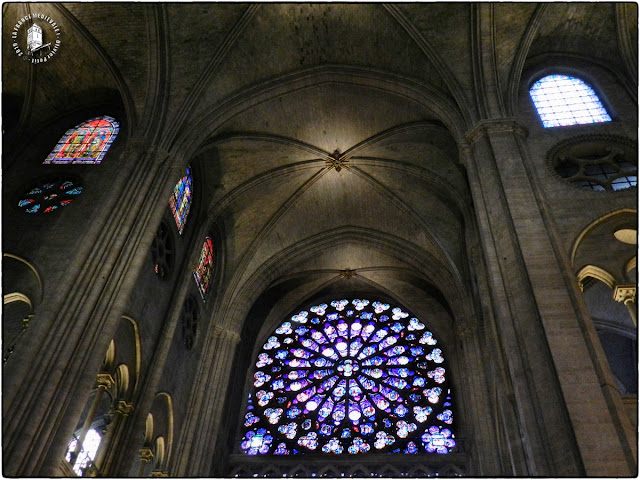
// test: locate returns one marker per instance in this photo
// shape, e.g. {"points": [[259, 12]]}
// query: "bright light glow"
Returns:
{"points": [[562, 100], [354, 415]]}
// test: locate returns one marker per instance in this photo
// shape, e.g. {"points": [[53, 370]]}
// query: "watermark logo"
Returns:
{"points": [[36, 38]]}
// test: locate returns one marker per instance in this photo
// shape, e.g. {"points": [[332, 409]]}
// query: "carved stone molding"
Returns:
{"points": [[226, 334], [625, 293], [337, 161], [487, 127], [146, 454], [105, 380], [124, 408], [348, 273]]}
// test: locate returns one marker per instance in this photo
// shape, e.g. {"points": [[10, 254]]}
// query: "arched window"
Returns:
{"points": [[562, 100], [86, 143], [203, 271], [349, 378], [180, 200]]}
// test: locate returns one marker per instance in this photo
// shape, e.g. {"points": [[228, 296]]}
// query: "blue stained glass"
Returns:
{"points": [[281, 450], [348, 376], [366, 429], [561, 100], [180, 200]]}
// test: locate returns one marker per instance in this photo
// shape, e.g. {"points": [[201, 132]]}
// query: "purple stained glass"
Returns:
{"points": [[354, 381]]}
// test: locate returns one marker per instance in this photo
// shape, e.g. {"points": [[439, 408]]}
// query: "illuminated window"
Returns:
{"points": [[180, 200], [86, 454], [349, 378], [203, 271], [87, 143], [562, 100]]}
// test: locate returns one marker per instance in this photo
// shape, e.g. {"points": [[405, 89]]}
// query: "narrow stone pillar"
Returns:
{"points": [[627, 295], [146, 455], [120, 411], [105, 382], [204, 414]]}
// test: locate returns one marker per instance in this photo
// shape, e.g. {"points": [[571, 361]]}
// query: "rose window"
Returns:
{"points": [[349, 378], [47, 197]]}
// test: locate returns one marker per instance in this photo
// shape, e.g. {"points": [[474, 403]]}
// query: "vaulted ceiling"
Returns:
{"points": [[264, 94]]}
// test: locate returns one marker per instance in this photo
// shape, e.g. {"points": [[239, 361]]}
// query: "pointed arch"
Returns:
{"points": [[597, 273]]}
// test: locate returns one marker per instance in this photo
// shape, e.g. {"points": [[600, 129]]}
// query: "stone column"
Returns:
{"points": [[198, 440], [627, 295], [110, 443], [543, 329], [105, 382]]}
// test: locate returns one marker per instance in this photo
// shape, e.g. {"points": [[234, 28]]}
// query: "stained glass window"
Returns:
{"points": [[86, 143], [349, 377], [562, 100], [203, 271], [180, 200], [49, 196]]}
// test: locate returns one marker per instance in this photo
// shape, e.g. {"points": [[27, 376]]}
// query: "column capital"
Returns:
{"points": [[487, 127], [226, 334], [146, 454], [124, 408], [159, 473], [105, 380], [625, 293]]}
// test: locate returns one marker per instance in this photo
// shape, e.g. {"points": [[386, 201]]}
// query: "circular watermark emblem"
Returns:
{"points": [[36, 38]]}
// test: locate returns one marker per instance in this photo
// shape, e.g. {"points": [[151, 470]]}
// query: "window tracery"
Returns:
{"points": [[561, 100], [180, 200], [86, 143], [49, 196], [349, 378], [162, 251]]}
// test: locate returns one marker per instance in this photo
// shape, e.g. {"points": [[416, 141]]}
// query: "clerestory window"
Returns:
{"points": [[86, 143], [561, 100], [180, 200]]}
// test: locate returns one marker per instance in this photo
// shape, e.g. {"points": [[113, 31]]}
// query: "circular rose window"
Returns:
{"points": [[350, 377]]}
